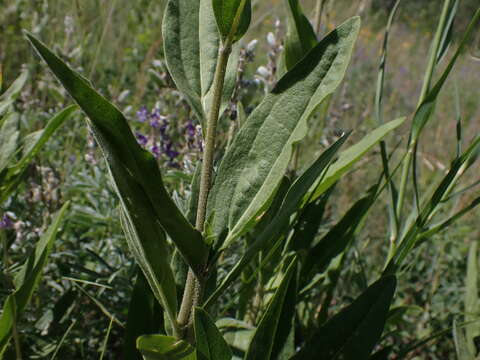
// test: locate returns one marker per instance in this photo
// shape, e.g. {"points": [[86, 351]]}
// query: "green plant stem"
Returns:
{"points": [[193, 286], [425, 88], [318, 15]]}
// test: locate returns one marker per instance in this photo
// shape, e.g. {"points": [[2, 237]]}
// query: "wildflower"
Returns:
{"points": [[142, 114], [142, 139], [155, 150], [272, 41], [6, 222], [263, 71], [252, 45]]}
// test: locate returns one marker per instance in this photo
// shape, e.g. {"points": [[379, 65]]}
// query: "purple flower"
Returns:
{"points": [[155, 123], [170, 152], [142, 114], [6, 222], [190, 129], [142, 139], [155, 149]]}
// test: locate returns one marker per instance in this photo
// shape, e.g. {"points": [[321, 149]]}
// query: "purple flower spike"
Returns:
{"points": [[142, 139], [142, 114], [155, 149], [6, 222], [155, 123], [190, 129]]}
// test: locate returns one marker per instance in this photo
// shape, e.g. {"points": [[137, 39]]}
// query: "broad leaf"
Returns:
{"points": [[160, 347], [353, 333], [349, 157], [277, 321], [280, 223], [125, 157], [27, 279], [258, 158], [233, 18], [209, 341], [300, 37], [191, 46]]}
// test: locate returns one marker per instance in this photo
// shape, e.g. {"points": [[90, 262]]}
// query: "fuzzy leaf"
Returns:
{"points": [[281, 221], [130, 165], [191, 46], [258, 158], [300, 37], [226, 14]]}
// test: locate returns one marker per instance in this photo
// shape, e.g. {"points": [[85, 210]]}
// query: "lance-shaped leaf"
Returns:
{"points": [[125, 156], [349, 157], [353, 333], [300, 37], [191, 46], [336, 240], [281, 221], [32, 144], [9, 96], [160, 347], [427, 107], [8, 139], [233, 18], [277, 321], [27, 279], [209, 341], [258, 158], [144, 317]]}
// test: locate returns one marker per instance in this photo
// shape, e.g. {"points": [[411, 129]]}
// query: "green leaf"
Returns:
{"points": [[160, 347], [130, 165], [8, 139], [472, 303], [280, 223], [32, 144], [191, 46], [210, 343], [27, 279], [144, 317], [146, 240], [9, 96], [427, 107], [233, 18], [461, 345], [336, 240], [353, 333], [277, 321], [300, 38], [258, 158], [181, 48], [349, 157]]}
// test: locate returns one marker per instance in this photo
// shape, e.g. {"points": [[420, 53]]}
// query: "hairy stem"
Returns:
{"points": [[194, 285]]}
